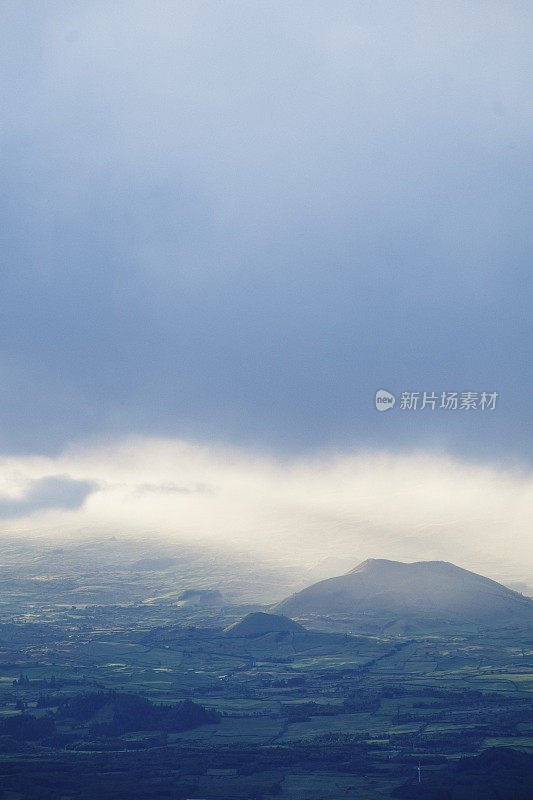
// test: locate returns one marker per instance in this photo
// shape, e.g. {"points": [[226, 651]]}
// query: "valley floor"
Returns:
{"points": [[152, 700]]}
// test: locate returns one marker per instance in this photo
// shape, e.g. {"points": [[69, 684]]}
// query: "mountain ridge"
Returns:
{"points": [[431, 589], [260, 623]]}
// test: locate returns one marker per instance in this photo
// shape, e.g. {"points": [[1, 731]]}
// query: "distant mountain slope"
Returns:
{"points": [[434, 590], [258, 624]]}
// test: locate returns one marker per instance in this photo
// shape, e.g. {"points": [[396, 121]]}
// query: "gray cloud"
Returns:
{"points": [[237, 220], [55, 491]]}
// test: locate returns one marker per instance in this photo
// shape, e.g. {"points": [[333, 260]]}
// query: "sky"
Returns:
{"points": [[226, 225]]}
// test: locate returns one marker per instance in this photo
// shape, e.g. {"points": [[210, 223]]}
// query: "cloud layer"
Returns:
{"points": [[238, 220], [350, 505], [51, 492]]}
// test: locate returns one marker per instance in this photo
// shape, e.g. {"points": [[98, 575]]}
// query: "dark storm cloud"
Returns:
{"points": [[237, 221], [55, 491]]}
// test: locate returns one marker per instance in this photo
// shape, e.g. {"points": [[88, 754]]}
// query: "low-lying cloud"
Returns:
{"points": [[51, 492], [408, 506]]}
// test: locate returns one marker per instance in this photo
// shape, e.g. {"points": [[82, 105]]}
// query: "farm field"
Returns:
{"points": [[164, 700]]}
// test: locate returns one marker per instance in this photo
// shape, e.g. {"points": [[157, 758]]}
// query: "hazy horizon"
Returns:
{"points": [[411, 506]]}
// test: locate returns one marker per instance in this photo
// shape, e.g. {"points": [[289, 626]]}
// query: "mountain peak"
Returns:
{"points": [[373, 564], [386, 563], [436, 591], [259, 623]]}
